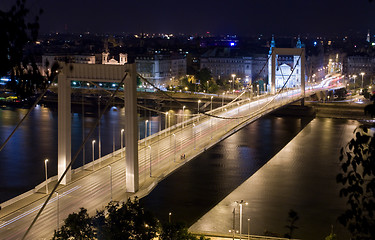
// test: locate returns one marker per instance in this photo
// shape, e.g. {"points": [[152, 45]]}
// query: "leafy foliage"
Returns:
{"points": [[77, 225], [127, 220], [177, 231], [357, 177], [15, 34]]}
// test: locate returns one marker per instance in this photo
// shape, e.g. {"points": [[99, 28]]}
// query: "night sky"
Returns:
{"points": [[199, 16]]}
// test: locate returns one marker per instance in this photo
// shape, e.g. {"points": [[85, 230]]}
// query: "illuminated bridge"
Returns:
{"points": [[135, 172]]}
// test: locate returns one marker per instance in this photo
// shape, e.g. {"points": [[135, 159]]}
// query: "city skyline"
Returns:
{"points": [[199, 17]]}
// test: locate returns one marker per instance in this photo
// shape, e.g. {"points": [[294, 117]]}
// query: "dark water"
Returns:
{"points": [[194, 189]]}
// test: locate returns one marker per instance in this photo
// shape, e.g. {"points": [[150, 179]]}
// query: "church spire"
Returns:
{"points": [[299, 44], [273, 44]]}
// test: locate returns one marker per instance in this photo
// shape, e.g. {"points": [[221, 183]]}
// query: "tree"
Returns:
{"points": [[292, 219], [127, 220], [15, 34], [177, 231], [77, 226], [357, 162]]}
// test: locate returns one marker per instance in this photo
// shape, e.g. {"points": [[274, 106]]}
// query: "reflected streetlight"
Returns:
{"points": [[45, 168], [194, 134], [93, 152], [240, 203], [122, 142]]}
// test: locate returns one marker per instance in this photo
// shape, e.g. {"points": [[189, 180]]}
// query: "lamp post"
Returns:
{"points": [[183, 116], [122, 142], [146, 129], [93, 152], [174, 157], [199, 101], [354, 76], [45, 168], [248, 229], [362, 74], [58, 214], [241, 203], [222, 100], [169, 217], [110, 178], [99, 140], [194, 134], [150, 159], [211, 117], [233, 76], [166, 122]]}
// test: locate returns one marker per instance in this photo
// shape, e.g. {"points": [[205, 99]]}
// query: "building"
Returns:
{"points": [[162, 70], [288, 68], [49, 60], [123, 58], [224, 62]]}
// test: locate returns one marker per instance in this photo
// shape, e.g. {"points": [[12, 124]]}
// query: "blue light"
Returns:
{"points": [[315, 43], [232, 44]]}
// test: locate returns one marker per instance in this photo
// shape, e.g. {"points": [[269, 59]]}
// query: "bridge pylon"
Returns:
{"points": [[98, 73]]}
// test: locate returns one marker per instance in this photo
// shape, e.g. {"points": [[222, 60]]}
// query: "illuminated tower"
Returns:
{"points": [[273, 44]]}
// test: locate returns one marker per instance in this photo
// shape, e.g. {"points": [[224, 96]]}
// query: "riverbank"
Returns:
{"points": [[300, 177]]}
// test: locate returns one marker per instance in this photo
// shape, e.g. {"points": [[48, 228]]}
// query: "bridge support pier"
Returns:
{"points": [[131, 130], [64, 128]]}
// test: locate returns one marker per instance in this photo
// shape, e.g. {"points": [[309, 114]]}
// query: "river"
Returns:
{"points": [[188, 193]]}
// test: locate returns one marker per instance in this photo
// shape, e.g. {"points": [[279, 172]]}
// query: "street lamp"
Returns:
{"points": [[169, 217], [194, 134], [183, 116], [150, 159], [122, 142], [199, 101], [45, 168], [362, 73], [248, 229], [57, 200], [211, 117], [222, 100], [166, 122], [174, 158], [146, 129], [93, 151], [241, 203], [110, 178], [233, 76]]}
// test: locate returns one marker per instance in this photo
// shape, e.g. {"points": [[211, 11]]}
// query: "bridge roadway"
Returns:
{"points": [[159, 155]]}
